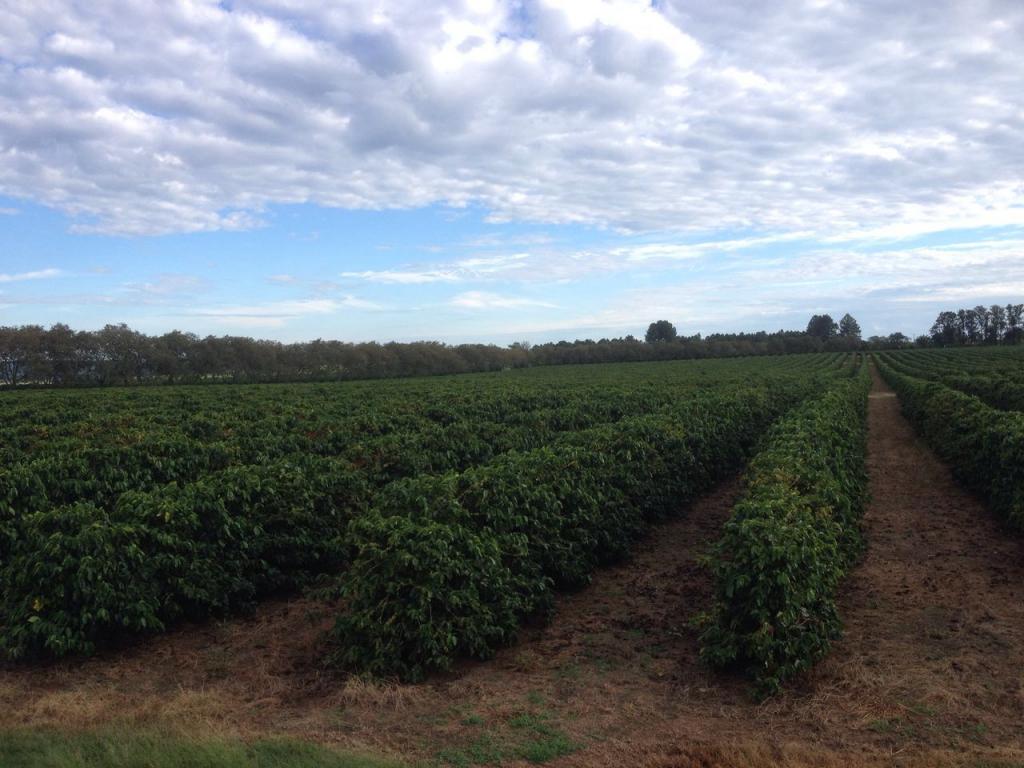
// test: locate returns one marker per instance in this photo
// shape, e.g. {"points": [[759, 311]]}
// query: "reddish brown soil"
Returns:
{"points": [[929, 672]]}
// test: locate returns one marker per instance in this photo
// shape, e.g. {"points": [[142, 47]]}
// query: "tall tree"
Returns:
{"points": [[1014, 323], [662, 330], [974, 325], [966, 323], [15, 351], [947, 329], [996, 324], [981, 321], [848, 327], [61, 347], [822, 326]]}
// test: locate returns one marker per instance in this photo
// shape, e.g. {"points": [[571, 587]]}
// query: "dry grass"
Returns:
{"points": [[363, 693]]}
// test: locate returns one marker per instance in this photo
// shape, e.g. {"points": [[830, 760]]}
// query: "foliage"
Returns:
{"points": [[984, 446], [123, 511], [427, 584], [979, 325], [116, 355], [660, 330], [849, 327], [78, 575], [449, 566], [989, 373], [790, 540], [822, 326]]}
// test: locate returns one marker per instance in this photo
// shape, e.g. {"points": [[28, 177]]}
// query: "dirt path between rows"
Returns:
{"points": [[929, 672]]}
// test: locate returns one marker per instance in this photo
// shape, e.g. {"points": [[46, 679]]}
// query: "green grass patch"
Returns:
{"points": [[922, 721], [527, 735], [145, 749]]}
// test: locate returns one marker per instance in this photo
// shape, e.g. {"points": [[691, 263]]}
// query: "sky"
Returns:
{"points": [[501, 171]]}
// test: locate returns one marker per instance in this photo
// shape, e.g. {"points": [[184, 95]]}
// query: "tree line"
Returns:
{"points": [[119, 355], [981, 325]]}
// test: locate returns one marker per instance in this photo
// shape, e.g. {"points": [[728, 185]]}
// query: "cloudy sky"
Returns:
{"points": [[484, 170]]}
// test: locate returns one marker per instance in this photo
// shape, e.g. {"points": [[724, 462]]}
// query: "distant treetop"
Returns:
{"points": [[661, 330], [822, 326], [848, 327]]}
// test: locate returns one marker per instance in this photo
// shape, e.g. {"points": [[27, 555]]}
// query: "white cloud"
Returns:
{"points": [[483, 265], [282, 279], [462, 270], [170, 117], [270, 315], [353, 302], [166, 285], [39, 274], [273, 309], [565, 264], [683, 251], [487, 300], [959, 294], [9, 211], [970, 262], [277, 314], [402, 277]]}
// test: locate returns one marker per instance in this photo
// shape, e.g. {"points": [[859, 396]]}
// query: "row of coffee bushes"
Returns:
{"points": [[122, 556], [983, 445], [76, 450], [451, 565], [101, 468], [790, 540], [131, 526], [996, 386], [77, 576], [255, 420], [1002, 392]]}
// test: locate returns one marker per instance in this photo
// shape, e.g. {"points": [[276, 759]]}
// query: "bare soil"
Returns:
{"points": [[930, 670]]}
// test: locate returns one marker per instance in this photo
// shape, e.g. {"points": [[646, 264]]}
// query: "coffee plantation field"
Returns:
{"points": [[689, 538], [126, 510]]}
